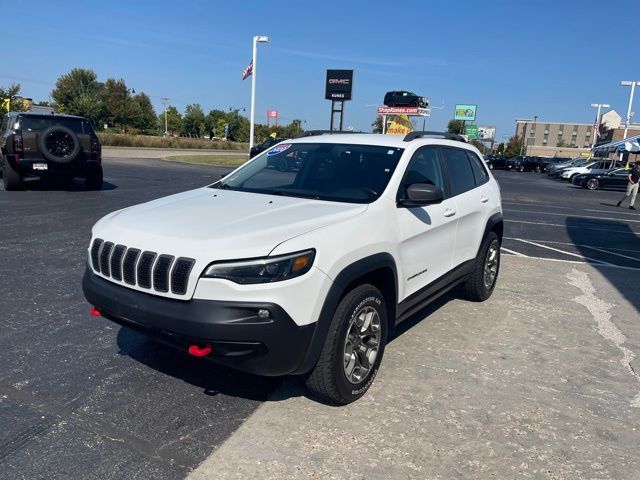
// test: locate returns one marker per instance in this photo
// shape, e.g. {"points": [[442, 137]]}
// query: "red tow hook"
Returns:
{"points": [[94, 312], [197, 351]]}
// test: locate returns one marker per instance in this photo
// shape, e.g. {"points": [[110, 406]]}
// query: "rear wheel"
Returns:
{"points": [[593, 184], [483, 279], [521, 168], [11, 179], [353, 349], [538, 169], [93, 180]]}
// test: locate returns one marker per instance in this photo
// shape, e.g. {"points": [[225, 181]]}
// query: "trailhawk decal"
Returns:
{"points": [[279, 149]]}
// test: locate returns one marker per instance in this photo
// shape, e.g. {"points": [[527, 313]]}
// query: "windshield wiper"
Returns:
{"points": [[293, 194]]}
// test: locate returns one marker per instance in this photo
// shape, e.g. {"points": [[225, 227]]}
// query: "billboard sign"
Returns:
{"points": [[422, 112], [272, 113], [465, 112], [471, 131], [487, 133], [339, 85]]}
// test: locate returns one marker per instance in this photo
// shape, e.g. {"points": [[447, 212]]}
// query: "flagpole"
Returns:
{"points": [[257, 39], [253, 91]]}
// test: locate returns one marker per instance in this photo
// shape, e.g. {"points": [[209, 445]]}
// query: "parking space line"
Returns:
{"points": [[513, 252], [564, 252], [579, 245], [576, 262], [572, 216], [610, 211], [632, 232]]}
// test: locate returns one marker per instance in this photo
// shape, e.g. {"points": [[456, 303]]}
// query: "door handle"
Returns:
{"points": [[449, 212], [484, 199]]}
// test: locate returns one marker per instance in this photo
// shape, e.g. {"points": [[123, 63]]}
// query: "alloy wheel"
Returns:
{"points": [[361, 344], [491, 265]]}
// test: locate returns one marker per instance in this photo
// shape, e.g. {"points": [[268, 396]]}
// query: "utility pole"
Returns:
{"points": [[257, 39], [165, 103]]}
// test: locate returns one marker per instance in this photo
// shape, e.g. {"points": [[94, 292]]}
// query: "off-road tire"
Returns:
{"points": [[67, 135], [328, 379], [10, 178], [94, 179], [475, 288]]}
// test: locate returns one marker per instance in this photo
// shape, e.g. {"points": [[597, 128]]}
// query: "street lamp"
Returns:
{"points": [[257, 39], [596, 124]]}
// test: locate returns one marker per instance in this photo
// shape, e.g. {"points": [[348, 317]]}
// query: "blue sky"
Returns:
{"points": [[515, 59]]}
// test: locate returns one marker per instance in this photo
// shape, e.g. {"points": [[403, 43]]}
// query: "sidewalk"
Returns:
{"points": [[534, 383]]}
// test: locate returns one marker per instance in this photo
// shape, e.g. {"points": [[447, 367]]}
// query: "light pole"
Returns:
{"points": [[257, 39], [596, 124], [165, 102]]}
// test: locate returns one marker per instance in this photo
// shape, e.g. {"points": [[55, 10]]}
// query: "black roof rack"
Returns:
{"points": [[313, 133], [448, 136]]}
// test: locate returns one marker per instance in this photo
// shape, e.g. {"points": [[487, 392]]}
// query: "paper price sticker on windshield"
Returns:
{"points": [[279, 149]]}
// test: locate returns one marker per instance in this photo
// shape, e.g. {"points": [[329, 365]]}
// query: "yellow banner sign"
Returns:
{"points": [[400, 125]]}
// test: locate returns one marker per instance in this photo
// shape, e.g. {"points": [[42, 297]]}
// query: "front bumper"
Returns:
{"points": [[239, 338]]}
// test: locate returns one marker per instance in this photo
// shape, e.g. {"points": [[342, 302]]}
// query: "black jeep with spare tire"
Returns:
{"points": [[51, 146]]}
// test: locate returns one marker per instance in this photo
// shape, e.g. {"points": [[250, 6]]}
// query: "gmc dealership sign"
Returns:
{"points": [[339, 84]]}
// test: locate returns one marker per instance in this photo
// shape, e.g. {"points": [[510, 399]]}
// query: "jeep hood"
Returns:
{"points": [[212, 224]]}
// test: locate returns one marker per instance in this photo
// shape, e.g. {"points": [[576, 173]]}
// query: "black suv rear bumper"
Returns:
{"points": [[25, 166], [238, 336]]}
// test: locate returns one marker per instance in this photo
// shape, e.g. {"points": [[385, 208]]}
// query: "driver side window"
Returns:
{"points": [[424, 167]]}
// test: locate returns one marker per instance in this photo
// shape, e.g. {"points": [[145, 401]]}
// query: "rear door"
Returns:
{"points": [[468, 186]]}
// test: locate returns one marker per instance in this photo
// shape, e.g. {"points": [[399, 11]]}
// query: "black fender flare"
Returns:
{"points": [[494, 221], [345, 278]]}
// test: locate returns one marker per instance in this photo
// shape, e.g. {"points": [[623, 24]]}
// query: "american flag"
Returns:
{"points": [[247, 72], [596, 128]]}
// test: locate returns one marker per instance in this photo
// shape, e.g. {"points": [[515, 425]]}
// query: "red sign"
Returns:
{"points": [[272, 113]]}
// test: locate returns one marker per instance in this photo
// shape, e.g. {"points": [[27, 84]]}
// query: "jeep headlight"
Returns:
{"points": [[263, 270]]}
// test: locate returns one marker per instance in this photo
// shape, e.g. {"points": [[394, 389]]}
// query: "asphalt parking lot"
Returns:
{"points": [[80, 397]]}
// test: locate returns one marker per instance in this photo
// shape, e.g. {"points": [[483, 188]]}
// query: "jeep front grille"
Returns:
{"points": [[145, 269]]}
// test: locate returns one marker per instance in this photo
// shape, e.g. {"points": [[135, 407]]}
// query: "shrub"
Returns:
{"points": [[147, 141]]}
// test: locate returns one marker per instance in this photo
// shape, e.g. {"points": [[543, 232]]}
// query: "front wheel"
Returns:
{"points": [[521, 168], [483, 278], [593, 184], [538, 169], [353, 349]]}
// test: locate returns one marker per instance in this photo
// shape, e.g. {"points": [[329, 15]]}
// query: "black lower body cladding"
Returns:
{"points": [[239, 338]]}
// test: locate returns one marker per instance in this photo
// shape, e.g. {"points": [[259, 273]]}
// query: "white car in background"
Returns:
{"points": [[604, 164]]}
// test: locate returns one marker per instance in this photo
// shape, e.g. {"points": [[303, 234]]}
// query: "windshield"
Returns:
{"points": [[323, 171]]}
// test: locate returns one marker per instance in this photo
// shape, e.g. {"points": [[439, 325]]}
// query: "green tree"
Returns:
{"points": [[455, 126], [238, 128], [514, 145], [79, 93], [145, 118], [193, 122], [213, 121], [115, 98], [174, 120], [377, 125]]}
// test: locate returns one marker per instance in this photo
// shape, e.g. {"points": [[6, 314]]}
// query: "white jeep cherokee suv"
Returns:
{"points": [[304, 259]]}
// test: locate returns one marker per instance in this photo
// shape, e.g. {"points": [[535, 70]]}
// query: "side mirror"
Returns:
{"points": [[421, 194]]}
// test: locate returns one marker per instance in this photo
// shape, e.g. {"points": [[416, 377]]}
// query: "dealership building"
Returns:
{"points": [[548, 139]]}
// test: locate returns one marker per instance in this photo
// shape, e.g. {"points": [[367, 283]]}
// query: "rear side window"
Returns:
{"points": [[478, 169], [31, 123], [459, 170]]}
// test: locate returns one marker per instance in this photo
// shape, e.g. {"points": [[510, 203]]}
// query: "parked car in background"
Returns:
{"points": [[405, 99], [616, 179], [496, 162], [548, 162], [529, 164], [556, 170], [510, 163], [51, 146], [268, 143], [600, 165]]}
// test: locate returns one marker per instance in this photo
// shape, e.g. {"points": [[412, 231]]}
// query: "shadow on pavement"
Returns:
{"points": [[625, 281], [211, 378]]}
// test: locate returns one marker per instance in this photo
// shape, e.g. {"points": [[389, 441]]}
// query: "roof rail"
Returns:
{"points": [[313, 133], [448, 136]]}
